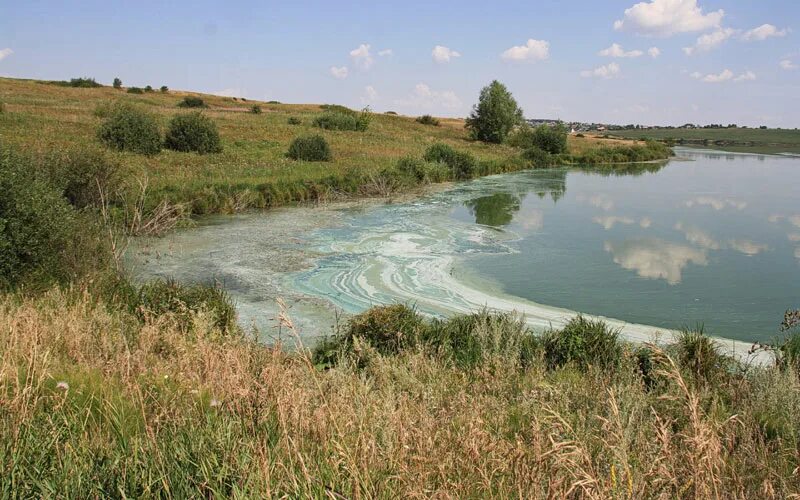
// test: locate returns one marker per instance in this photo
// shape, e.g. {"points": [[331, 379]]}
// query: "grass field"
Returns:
{"points": [[42, 117], [768, 141]]}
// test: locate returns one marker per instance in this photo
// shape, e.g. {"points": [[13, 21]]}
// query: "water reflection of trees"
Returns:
{"points": [[494, 210], [629, 169]]}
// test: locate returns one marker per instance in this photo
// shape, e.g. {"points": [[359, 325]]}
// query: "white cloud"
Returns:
{"points": [[608, 71], [370, 95], [654, 52], [710, 41], [5, 53], [656, 259], [788, 65], [361, 57], [609, 221], [339, 73], [668, 17], [425, 97], [716, 203], [616, 50], [443, 54], [385, 52], [601, 201], [794, 220], [745, 77], [724, 76], [748, 247], [762, 33], [645, 222], [697, 236], [793, 237], [533, 50]]}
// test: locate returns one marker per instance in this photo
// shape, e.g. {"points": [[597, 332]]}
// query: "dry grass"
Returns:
{"points": [[153, 410], [40, 118]]}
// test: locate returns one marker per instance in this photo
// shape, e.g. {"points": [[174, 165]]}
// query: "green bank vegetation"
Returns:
{"points": [[737, 139]]}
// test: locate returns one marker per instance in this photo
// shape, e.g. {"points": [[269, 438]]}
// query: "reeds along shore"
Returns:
{"points": [[97, 402]]}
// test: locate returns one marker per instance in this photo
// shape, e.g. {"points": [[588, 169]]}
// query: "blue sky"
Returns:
{"points": [[728, 61]]}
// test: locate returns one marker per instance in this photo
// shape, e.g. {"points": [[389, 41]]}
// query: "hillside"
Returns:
{"points": [[252, 170]]}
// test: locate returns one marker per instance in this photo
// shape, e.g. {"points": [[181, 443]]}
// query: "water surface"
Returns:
{"points": [[710, 238]]}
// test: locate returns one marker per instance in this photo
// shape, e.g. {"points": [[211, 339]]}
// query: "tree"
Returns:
{"points": [[117, 83], [495, 115], [164, 88]]}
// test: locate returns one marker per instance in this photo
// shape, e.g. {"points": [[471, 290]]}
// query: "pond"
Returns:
{"points": [[709, 238]]}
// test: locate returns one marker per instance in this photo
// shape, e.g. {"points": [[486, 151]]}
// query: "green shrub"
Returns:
{"points": [[339, 120], [580, 135], [192, 102], [84, 83], [135, 90], [82, 174], [36, 227], [148, 88], [699, 354], [164, 89], [393, 113], [473, 339], [255, 109], [310, 148], [537, 157], [128, 128], [117, 83], [193, 132], [552, 140], [428, 120], [421, 170], [185, 301], [273, 102], [583, 343], [293, 120], [461, 164], [387, 329]]}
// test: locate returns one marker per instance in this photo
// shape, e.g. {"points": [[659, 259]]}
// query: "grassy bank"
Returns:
{"points": [[99, 403], [745, 140], [253, 170]]}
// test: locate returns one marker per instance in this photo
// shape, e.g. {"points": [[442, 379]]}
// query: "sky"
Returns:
{"points": [[609, 61]]}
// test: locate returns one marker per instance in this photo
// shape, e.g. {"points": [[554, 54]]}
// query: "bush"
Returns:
{"points": [[393, 113], [584, 343], [310, 148], [552, 140], [495, 115], [192, 102], [193, 132], [117, 83], [698, 353], [83, 173], [185, 301], [462, 164], [421, 170], [255, 109], [537, 157], [293, 120], [428, 120], [476, 338], [164, 89], [135, 90], [273, 102], [84, 83], [128, 128], [579, 135], [339, 120], [36, 227], [148, 88], [337, 108], [387, 329]]}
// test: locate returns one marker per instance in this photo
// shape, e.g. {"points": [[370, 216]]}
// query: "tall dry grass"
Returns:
{"points": [[94, 403]]}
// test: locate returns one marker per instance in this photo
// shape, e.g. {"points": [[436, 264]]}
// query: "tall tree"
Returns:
{"points": [[495, 115]]}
